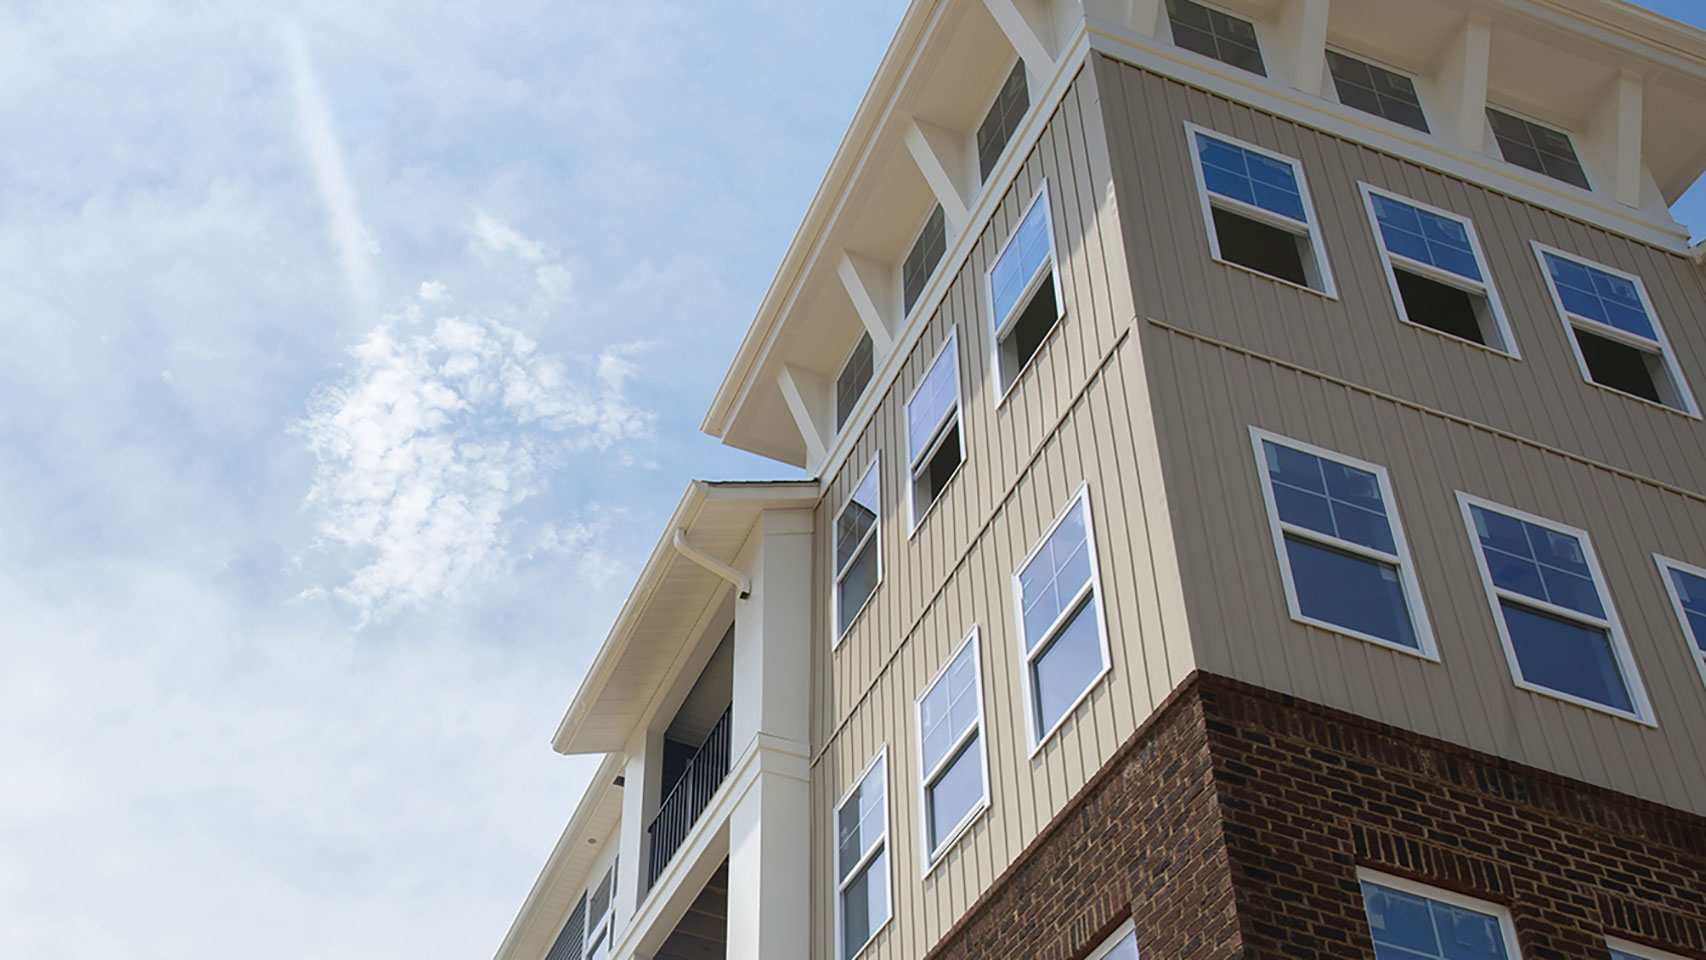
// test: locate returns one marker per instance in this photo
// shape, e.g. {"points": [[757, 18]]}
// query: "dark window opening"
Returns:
{"points": [[1226, 38], [1442, 307], [926, 252], [939, 469], [1003, 118], [1538, 148], [1376, 90], [1029, 331], [1262, 248], [1619, 366]]}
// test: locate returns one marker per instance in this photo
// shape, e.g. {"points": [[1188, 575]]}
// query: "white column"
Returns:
{"points": [[639, 801], [1463, 81], [1305, 27], [1615, 136], [769, 829]]}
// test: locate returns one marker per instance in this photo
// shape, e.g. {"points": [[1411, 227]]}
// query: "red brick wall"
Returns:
{"points": [[1307, 794], [1233, 822]]}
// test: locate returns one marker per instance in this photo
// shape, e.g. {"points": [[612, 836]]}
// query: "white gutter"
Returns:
{"points": [[711, 563]]}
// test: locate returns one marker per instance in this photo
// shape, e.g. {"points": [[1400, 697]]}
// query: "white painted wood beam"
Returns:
{"points": [[1463, 80], [1031, 43], [941, 159], [866, 286], [806, 395]]}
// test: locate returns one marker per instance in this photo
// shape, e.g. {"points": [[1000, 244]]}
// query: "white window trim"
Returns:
{"points": [[1310, 230], [1001, 326], [1165, 32], [1112, 940], [1643, 709], [606, 925], [1401, 559], [931, 857], [1417, 83], [873, 534], [1667, 355], [1499, 152], [1026, 657], [1640, 949], [938, 434], [865, 856], [1485, 289], [1506, 928], [1666, 565]]}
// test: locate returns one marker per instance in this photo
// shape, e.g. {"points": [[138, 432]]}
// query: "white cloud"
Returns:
{"points": [[498, 237], [439, 432]]}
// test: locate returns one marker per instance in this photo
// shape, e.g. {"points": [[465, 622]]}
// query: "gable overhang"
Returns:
{"points": [[683, 584]]}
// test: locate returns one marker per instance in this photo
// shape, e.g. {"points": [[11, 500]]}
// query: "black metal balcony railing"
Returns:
{"points": [[699, 781]]}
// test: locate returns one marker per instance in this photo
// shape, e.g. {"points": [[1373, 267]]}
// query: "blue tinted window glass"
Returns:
{"points": [[1426, 237], [1019, 262], [1598, 295], [1617, 954], [935, 397], [1566, 656], [1328, 497], [955, 792], [1066, 669], [1413, 927], [1537, 562], [1691, 590], [1054, 576], [1350, 591], [1232, 171]]}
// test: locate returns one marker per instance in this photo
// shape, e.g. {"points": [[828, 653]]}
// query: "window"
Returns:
{"points": [[1257, 208], [1555, 619], [1629, 950], [1061, 633], [1535, 147], [1024, 291], [598, 926], [1614, 329], [1409, 921], [950, 750], [1011, 102], [1120, 945], [1207, 31], [1342, 554], [858, 568], [921, 261], [1374, 89], [861, 860], [1438, 275], [1687, 588], [855, 376], [935, 446]]}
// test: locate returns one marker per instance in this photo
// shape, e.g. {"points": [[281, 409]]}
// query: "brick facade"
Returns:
{"points": [[1233, 822]]}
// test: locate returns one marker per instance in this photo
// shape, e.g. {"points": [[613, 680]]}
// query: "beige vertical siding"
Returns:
{"points": [[1226, 349], [1078, 416]]}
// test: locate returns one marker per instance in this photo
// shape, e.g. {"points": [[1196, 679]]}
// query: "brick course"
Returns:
{"points": [[1233, 822]]}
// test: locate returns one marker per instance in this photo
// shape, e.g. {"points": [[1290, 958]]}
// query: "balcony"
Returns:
{"points": [[700, 777]]}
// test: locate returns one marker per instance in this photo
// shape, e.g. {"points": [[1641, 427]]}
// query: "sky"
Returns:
{"points": [[351, 359]]}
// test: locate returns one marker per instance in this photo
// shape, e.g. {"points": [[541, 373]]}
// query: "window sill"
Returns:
{"points": [[1522, 684], [1656, 405], [1429, 655], [947, 487], [1324, 294], [1454, 338], [1031, 364], [854, 623], [1067, 714], [934, 859]]}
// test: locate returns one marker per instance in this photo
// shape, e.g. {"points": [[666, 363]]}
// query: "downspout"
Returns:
{"points": [[712, 564]]}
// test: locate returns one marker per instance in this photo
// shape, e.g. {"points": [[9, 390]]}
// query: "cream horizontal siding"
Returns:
{"points": [[1078, 415]]}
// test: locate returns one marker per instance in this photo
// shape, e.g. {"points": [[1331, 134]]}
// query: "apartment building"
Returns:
{"points": [[1257, 508]]}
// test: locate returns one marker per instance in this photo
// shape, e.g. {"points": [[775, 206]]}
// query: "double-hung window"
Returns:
{"points": [[1221, 36], [921, 260], [1537, 147], [861, 860], [600, 900], [1614, 330], [1554, 615], [1002, 120], [1374, 89], [953, 775], [1062, 637], [1341, 549], [1436, 270], [854, 377], [935, 443], [1024, 291], [1687, 588], [1257, 207], [858, 541], [1409, 921]]}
